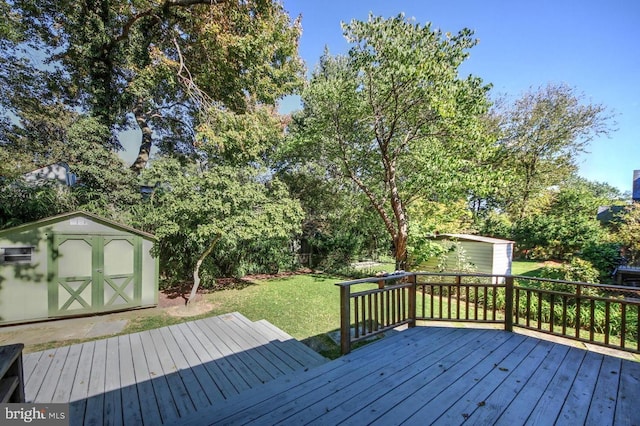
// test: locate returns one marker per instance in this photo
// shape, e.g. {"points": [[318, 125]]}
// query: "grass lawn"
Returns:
{"points": [[529, 268]]}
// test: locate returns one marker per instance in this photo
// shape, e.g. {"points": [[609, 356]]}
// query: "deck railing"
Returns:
{"points": [[605, 315]]}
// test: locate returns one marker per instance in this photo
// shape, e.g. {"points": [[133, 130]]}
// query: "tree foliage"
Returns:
{"points": [[196, 211], [543, 132], [393, 117], [163, 63]]}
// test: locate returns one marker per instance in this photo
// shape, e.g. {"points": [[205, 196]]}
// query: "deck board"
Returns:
{"points": [[95, 402], [159, 376], [602, 407], [627, 412], [211, 371], [112, 403], [430, 375]]}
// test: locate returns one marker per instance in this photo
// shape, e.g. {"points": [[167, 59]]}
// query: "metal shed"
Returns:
{"points": [[485, 254], [74, 264]]}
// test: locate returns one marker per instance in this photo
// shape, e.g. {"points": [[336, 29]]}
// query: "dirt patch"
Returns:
{"points": [[191, 310], [178, 294]]}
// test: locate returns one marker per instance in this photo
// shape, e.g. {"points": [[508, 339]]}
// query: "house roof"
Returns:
{"points": [[64, 216], [470, 237]]}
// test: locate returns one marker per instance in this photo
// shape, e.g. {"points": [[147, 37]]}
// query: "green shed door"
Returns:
{"points": [[94, 273]]}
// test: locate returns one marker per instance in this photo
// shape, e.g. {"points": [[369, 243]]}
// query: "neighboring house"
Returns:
{"points": [[484, 254], [74, 264], [58, 172]]}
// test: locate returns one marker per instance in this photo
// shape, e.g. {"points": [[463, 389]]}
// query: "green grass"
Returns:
{"points": [[529, 268], [302, 305]]}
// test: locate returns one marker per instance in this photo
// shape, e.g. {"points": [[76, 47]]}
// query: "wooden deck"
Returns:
{"points": [[160, 376], [446, 376]]}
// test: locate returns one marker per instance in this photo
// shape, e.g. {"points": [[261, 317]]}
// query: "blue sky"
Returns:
{"points": [[590, 45]]}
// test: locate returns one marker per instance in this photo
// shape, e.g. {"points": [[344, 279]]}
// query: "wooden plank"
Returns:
{"points": [[627, 412], [249, 338], [366, 355], [197, 395], [239, 375], [490, 409], [398, 378], [112, 402], [574, 411], [80, 386], [161, 389], [235, 355], [284, 361], [437, 396], [305, 354], [603, 403], [95, 402], [485, 386], [52, 377], [252, 355], [32, 385], [207, 383], [67, 375], [131, 411], [146, 395], [281, 343], [328, 383], [551, 401], [29, 362], [180, 394], [224, 386], [520, 407]]}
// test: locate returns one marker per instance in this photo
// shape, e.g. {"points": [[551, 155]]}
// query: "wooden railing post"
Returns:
{"points": [[345, 320], [508, 303], [412, 300]]}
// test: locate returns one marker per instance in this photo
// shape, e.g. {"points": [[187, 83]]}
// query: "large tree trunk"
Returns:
{"points": [[145, 145], [196, 270]]}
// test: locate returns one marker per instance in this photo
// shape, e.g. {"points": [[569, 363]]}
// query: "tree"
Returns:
{"points": [[393, 117], [542, 134], [163, 63], [628, 231], [564, 224], [196, 210]]}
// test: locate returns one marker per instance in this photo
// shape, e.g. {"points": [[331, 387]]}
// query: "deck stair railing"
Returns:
{"points": [[606, 315]]}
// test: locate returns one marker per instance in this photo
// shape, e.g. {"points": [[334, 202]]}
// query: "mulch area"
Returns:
{"points": [[178, 294]]}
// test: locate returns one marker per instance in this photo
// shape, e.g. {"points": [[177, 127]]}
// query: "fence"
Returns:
{"points": [[605, 315]]}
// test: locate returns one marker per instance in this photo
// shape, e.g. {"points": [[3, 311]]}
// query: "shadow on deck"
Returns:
{"points": [[159, 376], [227, 370]]}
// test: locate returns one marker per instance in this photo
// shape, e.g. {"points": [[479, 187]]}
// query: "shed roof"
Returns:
{"points": [[64, 216], [470, 237]]}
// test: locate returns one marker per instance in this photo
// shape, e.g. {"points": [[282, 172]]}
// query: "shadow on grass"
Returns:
{"points": [[327, 346], [535, 273]]}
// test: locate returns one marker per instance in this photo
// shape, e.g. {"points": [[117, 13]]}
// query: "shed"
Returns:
{"points": [[74, 264], [484, 254]]}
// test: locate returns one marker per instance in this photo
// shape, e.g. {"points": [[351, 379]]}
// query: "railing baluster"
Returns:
{"points": [[370, 316], [528, 310], [578, 300], [539, 310], [607, 322], [485, 306], [517, 303], [466, 302], [623, 324], [493, 301], [364, 317], [552, 312], [564, 315], [592, 328]]}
